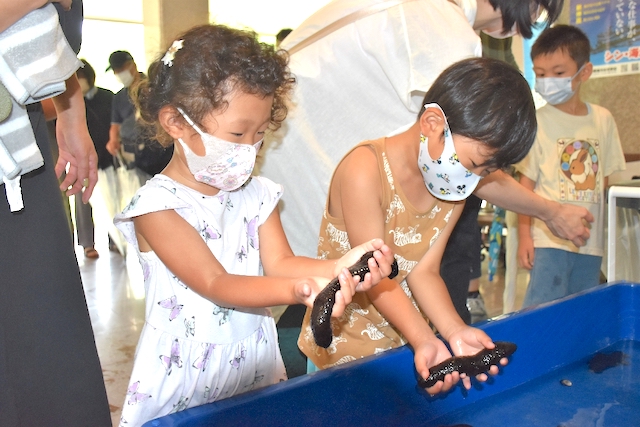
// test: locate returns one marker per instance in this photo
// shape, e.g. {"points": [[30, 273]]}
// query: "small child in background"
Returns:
{"points": [[205, 230], [576, 148], [478, 116]]}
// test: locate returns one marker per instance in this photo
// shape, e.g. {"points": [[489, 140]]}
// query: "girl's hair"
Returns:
{"points": [[567, 38], [519, 12], [490, 101], [213, 61]]}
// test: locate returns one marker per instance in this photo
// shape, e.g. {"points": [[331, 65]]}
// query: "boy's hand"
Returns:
{"points": [[526, 253], [468, 341], [428, 354]]}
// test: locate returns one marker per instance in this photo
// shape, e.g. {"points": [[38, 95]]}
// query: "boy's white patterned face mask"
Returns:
{"points": [[446, 178], [225, 165]]}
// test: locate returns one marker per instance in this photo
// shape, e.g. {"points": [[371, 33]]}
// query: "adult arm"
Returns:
{"points": [[113, 145], [564, 220], [13, 10], [77, 154]]}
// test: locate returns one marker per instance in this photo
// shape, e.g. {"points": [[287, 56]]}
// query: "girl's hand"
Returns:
{"points": [[380, 266], [306, 290], [428, 354], [468, 341]]}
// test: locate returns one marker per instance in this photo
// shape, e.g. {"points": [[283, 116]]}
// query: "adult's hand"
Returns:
{"points": [[570, 222], [564, 220], [77, 154], [113, 145]]}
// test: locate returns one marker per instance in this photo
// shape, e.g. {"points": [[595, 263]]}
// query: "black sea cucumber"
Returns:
{"points": [[470, 365], [323, 304]]}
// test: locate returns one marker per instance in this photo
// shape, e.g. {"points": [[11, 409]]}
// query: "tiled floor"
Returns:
{"points": [[115, 296]]}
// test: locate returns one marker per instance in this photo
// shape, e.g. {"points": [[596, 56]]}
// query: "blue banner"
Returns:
{"points": [[613, 31]]}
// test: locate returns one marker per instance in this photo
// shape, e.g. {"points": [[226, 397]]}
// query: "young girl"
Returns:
{"points": [[204, 229], [478, 116]]}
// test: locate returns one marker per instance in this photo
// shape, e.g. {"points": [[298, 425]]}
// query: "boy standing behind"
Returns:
{"points": [[576, 148]]}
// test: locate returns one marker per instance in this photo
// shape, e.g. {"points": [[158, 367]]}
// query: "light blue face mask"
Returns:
{"points": [[556, 90]]}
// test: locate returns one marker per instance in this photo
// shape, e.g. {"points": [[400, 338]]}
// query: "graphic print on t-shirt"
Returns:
{"points": [[579, 164]]}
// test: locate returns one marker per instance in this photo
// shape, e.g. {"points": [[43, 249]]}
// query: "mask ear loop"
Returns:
{"points": [[188, 119], [579, 70]]}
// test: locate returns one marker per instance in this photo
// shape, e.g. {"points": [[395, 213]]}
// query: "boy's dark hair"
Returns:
{"points": [[87, 72], [490, 101], [567, 38], [213, 61], [519, 12]]}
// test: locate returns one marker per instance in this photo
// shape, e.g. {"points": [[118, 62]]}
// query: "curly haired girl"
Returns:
{"points": [[206, 231]]}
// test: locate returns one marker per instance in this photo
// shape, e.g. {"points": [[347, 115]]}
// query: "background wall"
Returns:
{"points": [[142, 27]]}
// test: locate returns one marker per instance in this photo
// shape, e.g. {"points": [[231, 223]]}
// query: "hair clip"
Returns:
{"points": [[168, 57]]}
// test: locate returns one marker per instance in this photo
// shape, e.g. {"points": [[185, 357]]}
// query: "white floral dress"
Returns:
{"points": [[192, 351]]}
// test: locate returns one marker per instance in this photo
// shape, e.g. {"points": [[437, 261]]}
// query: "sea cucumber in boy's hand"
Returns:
{"points": [[323, 304], [470, 365]]}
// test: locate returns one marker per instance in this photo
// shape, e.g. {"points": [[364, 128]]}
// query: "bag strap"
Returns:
{"points": [[345, 20]]}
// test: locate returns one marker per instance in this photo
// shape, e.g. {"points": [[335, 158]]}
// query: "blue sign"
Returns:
{"points": [[613, 31]]}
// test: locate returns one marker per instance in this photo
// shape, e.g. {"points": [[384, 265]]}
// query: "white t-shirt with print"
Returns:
{"points": [[569, 161]]}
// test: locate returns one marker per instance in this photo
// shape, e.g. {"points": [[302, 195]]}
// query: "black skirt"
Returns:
{"points": [[50, 373]]}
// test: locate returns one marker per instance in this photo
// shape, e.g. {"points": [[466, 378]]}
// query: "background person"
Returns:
{"points": [[368, 78], [97, 103], [50, 373], [577, 147], [148, 157]]}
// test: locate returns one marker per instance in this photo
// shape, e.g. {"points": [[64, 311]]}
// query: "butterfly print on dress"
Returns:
{"points": [[239, 357], [190, 326], [173, 359], [209, 233], [135, 396], [171, 304], [252, 232], [241, 254], [203, 360], [226, 313], [181, 405]]}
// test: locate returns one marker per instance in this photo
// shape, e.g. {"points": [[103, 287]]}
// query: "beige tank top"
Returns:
{"points": [[362, 331]]}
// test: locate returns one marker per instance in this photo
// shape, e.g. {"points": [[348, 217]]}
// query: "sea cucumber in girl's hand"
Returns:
{"points": [[323, 304]]}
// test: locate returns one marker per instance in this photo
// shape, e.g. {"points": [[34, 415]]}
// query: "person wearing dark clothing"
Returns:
{"points": [[461, 258], [149, 157], [98, 102], [50, 374], [461, 265]]}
